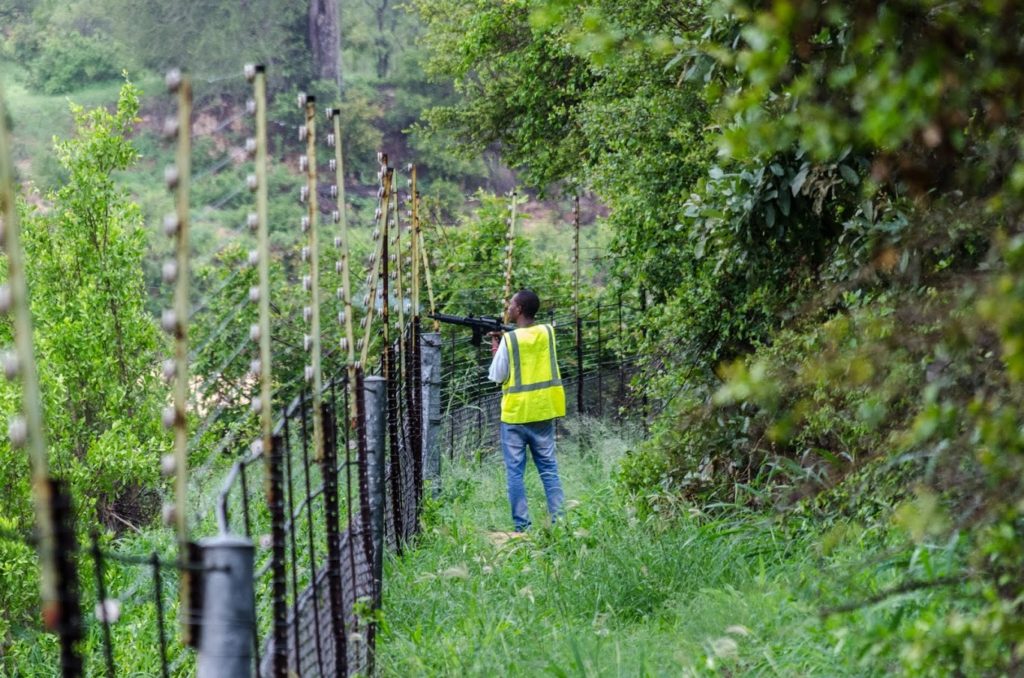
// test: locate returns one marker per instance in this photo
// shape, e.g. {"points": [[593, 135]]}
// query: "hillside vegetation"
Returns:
{"points": [[813, 208]]}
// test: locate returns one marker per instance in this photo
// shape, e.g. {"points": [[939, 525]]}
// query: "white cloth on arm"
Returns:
{"points": [[499, 364]]}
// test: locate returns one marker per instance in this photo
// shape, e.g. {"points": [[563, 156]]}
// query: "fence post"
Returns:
{"points": [[430, 369], [225, 635], [375, 397]]}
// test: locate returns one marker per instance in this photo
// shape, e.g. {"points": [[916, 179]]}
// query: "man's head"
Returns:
{"points": [[524, 304]]}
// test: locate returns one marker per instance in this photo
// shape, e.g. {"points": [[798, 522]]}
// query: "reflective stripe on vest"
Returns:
{"points": [[533, 390], [516, 366]]}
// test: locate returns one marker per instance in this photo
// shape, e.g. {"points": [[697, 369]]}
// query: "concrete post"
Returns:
{"points": [[375, 396], [430, 366], [225, 637]]}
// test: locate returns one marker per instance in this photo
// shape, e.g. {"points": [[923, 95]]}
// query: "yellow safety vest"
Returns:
{"points": [[533, 390]]}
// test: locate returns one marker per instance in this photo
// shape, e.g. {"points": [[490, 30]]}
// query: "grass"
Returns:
{"points": [[605, 593]]}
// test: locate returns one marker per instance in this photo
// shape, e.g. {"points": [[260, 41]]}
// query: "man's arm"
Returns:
{"points": [[499, 363]]}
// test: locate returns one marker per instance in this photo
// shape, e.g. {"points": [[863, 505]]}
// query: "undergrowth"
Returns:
{"points": [[610, 591]]}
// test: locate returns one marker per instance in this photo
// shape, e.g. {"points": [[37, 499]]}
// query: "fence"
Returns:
{"points": [[272, 561]]}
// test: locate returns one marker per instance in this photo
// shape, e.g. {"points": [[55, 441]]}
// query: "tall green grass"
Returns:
{"points": [[604, 593]]}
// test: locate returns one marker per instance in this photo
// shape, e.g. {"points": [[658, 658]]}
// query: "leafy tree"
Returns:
{"points": [[96, 344]]}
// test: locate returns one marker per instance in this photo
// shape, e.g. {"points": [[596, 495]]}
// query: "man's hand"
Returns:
{"points": [[495, 341]]}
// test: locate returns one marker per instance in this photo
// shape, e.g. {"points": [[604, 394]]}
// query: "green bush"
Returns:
{"points": [[69, 61]]}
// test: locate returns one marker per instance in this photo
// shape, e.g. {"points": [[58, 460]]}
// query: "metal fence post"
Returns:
{"points": [[430, 369], [225, 636], [375, 397]]}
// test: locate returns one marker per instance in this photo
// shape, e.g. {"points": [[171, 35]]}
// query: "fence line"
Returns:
{"points": [[279, 572]]}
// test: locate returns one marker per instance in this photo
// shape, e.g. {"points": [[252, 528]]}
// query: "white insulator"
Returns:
{"points": [[380, 175], [171, 224], [408, 213], [302, 132], [307, 314], [173, 80], [12, 366], [250, 106], [5, 299], [343, 344], [337, 242], [266, 541], [254, 294], [254, 257], [255, 367], [380, 156], [303, 163], [508, 222], [169, 416], [170, 369], [307, 283], [169, 321], [366, 300], [169, 513], [250, 72], [17, 431], [170, 128], [359, 344], [254, 333], [250, 146], [336, 216], [304, 253], [169, 271], [301, 99], [334, 190], [303, 193], [339, 267], [393, 275], [330, 140], [376, 214], [307, 343], [341, 317], [256, 405], [363, 321], [508, 249], [408, 262], [308, 373], [168, 465], [171, 177], [304, 224], [392, 258], [256, 447], [380, 192], [252, 182], [340, 293], [108, 611], [376, 234], [332, 164], [252, 220]]}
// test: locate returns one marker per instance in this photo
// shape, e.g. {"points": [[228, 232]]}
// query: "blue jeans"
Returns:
{"points": [[540, 438]]}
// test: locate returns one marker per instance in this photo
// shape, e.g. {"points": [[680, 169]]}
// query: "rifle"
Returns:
{"points": [[479, 324]]}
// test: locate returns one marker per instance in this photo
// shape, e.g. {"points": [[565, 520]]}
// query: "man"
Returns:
{"points": [[526, 366]]}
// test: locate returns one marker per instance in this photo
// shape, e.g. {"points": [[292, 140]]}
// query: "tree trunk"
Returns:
{"points": [[325, 39]]}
